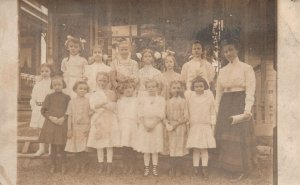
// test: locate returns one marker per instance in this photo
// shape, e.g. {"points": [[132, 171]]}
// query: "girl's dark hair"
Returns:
{"points": [[79, 83], [126, 84], [197, 42], [147, 50], [202, 46], [199, 79], [74, 40], [48, 66], [182, 85], [230, 41], [56, 77]]}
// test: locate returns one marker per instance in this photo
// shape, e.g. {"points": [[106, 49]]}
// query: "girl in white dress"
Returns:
{"points": [[39, 92], [202, 119], [73, 66], [96, 65], [104, 133], [127, 112], [147, 72], [151, 123]]}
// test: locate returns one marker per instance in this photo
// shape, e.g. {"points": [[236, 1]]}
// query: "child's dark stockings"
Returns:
{"points": [[55, 150]]}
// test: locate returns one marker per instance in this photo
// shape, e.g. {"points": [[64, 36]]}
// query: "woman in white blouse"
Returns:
{"points": [[235, 96]]}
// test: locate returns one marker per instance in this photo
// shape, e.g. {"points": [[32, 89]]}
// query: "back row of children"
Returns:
{"points": [[140, 110]]}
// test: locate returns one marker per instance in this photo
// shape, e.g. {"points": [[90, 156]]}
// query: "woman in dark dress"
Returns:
{"points": [[235, 96]]}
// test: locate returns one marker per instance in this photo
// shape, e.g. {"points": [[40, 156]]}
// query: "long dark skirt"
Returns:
{"points": [[235, 143]]}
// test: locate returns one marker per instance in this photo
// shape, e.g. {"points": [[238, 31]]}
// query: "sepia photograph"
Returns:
{"points": [[137, 92]]}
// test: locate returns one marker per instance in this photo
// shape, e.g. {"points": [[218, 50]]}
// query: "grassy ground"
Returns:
{"points": [[38, 173]]}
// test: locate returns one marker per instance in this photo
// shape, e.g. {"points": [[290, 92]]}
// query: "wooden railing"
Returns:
{"points": [[26, 83]]}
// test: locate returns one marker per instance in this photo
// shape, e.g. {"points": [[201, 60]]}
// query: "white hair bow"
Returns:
{"points": [[166, 53]]}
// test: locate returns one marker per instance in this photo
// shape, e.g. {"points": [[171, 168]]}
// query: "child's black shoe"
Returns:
{"points": [[52, 169], [125, 168], [77, 168], [101, 168], [146, 171], [108, 169], [239, 177], [195, 171], [171, 172], [63, 169], [131, 169], [154, 170], [179, 171], [205, 172]]}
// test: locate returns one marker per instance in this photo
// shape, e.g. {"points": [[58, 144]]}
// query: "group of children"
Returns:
{"points": [[141, 110]]}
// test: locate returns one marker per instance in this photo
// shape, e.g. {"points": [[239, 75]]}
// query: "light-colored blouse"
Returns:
{"points": [[146, 73], [236, 76], [190, 69], [74, 66], [91, 71], [128, 68]]}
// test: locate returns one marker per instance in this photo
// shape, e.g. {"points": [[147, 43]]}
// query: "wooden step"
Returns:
{"points": [[33, 139], [32, 156]]}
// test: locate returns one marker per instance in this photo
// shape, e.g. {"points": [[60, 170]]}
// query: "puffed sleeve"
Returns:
{"points": [[63, 66], [210, 72], [250, 88], [219, 91], [45, 107]]}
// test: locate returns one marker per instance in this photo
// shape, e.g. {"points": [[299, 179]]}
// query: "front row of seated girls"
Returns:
{"points": [[136, 124]]}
